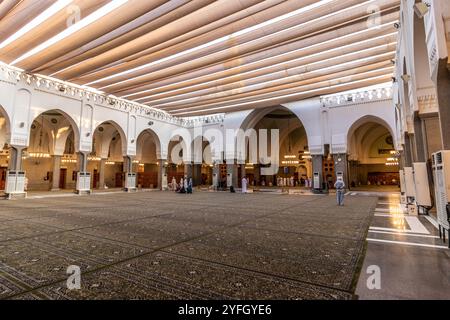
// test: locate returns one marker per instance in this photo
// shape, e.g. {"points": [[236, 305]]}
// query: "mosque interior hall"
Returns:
{"points": [[224, 149]]}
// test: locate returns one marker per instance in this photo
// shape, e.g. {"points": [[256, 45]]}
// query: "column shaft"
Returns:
{"points": [[162, 175], [216, 175], [188, 169], [341, 165], [257, 174], [420, 154], [317, 164], [101, 178], [82, 161], [15, 158], [56, 172]]}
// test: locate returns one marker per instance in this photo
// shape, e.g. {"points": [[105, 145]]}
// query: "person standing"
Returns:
{"points": [[340, 189], [244, 185], [181, 186], [185, 186], [189, 187], [174, 184]]}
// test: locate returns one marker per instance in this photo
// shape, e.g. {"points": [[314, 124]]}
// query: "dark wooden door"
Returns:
{"points": [[2, 178], [95, 179], [62, 178], [120, 176]]}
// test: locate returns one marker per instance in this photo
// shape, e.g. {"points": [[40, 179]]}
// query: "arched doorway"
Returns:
{"points": [[147, 162], [50, 161], [372, 156], [294, 158], [176, 163], [106, 162]]}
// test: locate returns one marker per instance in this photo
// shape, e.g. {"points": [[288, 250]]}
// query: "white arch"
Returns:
{"points": [[141, 138], [5, 127], [109, 135], [71, 121], [353, 146]]}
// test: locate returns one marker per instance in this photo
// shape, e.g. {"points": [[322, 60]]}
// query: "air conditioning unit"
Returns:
{"points": [[422, 185], [410, 189], [402, 187], [83, 185], [316, 180], [441, 174]]}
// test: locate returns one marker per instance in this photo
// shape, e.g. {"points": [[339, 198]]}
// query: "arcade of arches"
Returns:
{"points": [[52, 163], [110, 114]]}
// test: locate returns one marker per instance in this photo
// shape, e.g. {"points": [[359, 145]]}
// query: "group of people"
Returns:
{"points": [[293, 182], [185, 185]]}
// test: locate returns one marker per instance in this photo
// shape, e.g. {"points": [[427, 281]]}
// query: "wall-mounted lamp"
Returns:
{"points": [[421, 9], [406, 77]]}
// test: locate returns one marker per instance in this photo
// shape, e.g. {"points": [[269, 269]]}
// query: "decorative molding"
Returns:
{"points": [[61, 88], [428, 104], [353, 98]]}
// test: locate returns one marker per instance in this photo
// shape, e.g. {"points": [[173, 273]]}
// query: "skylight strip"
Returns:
{"points": [[287, 96], [214, 42], [275, 81], [345, 78], [168, 105], [197, 48], [121, 31], [269, 58], [106, 9], [331, 59], [44, 16]]}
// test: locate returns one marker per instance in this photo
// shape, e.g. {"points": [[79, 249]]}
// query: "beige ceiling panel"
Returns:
{"points": [[229, 24], [271, 57], [197, 19], [188, 40], [197, 60], [164, 14], [122, 15], [234, 46], [288, 89], [264, 103], [301, 65], [51, 27], [285, 86], [6, 6], [24, 12]]}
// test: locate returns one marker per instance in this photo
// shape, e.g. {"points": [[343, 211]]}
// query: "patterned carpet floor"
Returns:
{"points": [[161, 245]]}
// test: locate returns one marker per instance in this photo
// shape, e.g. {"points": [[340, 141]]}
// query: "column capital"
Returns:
{"points": [[18, 147]]}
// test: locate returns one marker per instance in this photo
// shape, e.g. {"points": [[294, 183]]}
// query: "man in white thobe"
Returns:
{"points": [[244, 185]]}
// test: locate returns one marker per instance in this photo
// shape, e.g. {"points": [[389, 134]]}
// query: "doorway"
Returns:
{"points": [[2, 178], [62, 178]]}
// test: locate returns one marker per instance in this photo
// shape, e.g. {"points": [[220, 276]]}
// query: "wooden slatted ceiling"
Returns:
{"points": [[195, 57]]}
